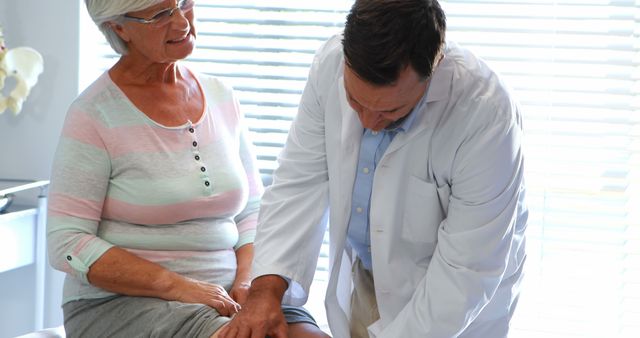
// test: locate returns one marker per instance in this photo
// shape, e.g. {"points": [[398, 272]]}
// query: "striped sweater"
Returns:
{"points": [[184, 197]]}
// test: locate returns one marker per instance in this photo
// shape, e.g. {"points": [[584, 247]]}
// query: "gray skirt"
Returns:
{"points": [[123, 316]]}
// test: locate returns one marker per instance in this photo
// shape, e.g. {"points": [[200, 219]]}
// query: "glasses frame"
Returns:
{"points": [[160, 14]]}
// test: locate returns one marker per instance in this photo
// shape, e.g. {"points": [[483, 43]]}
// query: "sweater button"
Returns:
{"points": [[68, 258]]}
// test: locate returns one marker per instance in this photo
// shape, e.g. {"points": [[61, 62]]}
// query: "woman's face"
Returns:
{"points": [[162, 33]]}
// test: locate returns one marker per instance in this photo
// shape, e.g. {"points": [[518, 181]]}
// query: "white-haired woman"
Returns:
{"points": [[155, 193]]}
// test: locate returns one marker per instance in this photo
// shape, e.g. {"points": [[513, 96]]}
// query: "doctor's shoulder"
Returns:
{"points": [[327, 67], [479, 91]]}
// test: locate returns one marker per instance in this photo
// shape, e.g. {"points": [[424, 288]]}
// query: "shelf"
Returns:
{"points": [[19, 223], [17, 238], [23, 234]]}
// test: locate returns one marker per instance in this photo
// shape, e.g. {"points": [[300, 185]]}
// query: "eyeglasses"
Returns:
{"points": [[164, 16]]}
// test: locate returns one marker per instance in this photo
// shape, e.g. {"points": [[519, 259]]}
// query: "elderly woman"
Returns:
{"points": [[155, 193]]}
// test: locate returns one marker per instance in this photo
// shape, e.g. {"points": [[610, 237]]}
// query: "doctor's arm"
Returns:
{"points": [[474, 240], [290, 229]]}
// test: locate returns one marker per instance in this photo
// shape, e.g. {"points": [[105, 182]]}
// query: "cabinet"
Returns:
{"points": [[23, 232]]}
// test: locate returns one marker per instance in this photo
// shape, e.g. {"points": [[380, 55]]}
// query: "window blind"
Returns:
{"points": [[264, 50], [572, 64], [574, 67]]}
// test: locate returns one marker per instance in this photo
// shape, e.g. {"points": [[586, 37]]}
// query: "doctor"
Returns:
{"points": [[415, 147]]}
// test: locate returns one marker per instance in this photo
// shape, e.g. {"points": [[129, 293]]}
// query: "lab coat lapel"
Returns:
{"points": [[350, 136]]}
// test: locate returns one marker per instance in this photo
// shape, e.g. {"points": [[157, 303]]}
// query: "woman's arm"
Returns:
{"points": [[122, 272], [242, 282]]}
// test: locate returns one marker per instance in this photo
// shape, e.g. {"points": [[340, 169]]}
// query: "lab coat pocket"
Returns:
{"points": [[423, 211]]}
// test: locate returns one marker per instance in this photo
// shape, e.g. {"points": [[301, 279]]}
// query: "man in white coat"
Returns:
{"points": [[414, 145]]}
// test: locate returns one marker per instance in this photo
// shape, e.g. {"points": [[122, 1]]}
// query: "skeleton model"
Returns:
{"points": [[22, 63]]}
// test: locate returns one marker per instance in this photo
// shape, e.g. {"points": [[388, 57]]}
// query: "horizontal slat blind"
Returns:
{"points": [[574, 67], [264, 50]]}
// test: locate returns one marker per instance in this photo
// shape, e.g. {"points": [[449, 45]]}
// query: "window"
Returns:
{"points": [[574, 67]]}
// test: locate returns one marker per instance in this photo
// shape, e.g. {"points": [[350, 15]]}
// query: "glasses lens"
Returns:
{"points": [[162, 17]]}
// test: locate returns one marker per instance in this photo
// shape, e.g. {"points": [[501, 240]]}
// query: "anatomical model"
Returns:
{"points": [[24, 64]]}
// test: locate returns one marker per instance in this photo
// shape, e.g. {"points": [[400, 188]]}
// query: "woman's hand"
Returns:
{"points": [[199, 292], [122, 272], [240, 291]]}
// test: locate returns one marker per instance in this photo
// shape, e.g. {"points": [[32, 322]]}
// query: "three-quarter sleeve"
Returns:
{"points": [[79, 180], [247, 219]]}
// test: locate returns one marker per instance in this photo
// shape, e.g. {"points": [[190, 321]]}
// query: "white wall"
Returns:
{"points": [[28, 141]]}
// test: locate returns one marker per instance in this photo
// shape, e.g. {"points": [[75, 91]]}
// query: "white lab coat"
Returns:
{"points": [[447, 215]]}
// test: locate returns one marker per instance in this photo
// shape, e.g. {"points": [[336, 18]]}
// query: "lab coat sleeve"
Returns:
{"points": [[293, 212], [475, 239]]}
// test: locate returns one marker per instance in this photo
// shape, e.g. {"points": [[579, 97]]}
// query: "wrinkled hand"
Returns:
{"points": [[240, 291], [261, 316], [213, 295]]}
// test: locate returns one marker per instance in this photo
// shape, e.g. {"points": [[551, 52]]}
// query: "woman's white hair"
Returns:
{"points": [[104, 11]]}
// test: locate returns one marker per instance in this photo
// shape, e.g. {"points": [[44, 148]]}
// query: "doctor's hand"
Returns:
{"points": [[261, 314]]}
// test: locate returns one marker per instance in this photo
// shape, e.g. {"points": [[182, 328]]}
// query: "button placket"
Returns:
{"points": [[195, 150]]}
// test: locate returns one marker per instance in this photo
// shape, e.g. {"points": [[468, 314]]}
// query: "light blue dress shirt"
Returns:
{"points": [[372, 147]]}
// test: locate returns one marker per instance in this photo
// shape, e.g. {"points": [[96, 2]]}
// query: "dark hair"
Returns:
{"points": [[383, 37]]}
